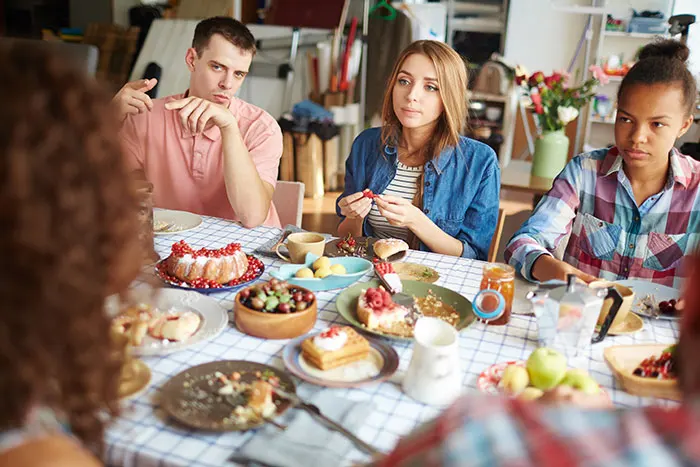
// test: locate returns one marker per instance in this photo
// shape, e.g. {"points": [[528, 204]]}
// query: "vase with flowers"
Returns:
{"points": [[555, 104]]}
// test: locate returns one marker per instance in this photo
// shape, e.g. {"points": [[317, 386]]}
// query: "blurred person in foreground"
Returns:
{"points": [[68, 240], [567, 427]]}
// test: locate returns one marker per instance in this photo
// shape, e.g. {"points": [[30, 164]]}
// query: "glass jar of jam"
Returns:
{"points": [[501, 278]]}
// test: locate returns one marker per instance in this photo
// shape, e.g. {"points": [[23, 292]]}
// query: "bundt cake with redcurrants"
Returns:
{"points": [[222, 265]]}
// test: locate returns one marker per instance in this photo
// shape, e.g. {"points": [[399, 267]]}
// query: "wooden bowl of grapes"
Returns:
{"points": [[275, 310]]}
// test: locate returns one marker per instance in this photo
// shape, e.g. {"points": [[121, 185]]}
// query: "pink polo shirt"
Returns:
{"points": [[187, 171]]}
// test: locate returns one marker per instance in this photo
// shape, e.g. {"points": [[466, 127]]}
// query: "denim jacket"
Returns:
{"points": [[460, 191]]}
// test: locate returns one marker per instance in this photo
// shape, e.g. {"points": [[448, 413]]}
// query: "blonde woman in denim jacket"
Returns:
{"points": [[436, 189]]}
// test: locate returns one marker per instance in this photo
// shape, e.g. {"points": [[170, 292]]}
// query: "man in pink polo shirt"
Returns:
{"points": [[206, 151]]}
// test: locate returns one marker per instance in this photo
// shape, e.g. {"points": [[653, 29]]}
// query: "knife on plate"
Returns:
{"points": [[315, 412], [392, 283]]}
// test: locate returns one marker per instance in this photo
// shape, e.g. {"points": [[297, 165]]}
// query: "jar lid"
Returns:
{"points": [[488, 304]]}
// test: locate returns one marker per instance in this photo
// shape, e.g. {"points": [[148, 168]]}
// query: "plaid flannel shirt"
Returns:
{"points": [[488, 431], [591, 207]]}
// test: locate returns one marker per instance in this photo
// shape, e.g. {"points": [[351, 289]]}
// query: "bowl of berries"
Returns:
{"points": [[275, 310], [645, 370]]}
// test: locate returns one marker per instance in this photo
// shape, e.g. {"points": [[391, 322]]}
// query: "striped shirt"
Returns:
{"points": [[404, 185], [592, 212]]}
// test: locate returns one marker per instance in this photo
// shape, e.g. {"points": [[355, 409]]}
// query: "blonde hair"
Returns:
{"points": [[452, 80]]}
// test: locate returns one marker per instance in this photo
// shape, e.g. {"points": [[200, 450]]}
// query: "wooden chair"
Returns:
{"points": [[289, 201], [117, 47], [496, 240]]}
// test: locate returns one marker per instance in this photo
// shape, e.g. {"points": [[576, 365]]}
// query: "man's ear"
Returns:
{"points": [[190, 58]]}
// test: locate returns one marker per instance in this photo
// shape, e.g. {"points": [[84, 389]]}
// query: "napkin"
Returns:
{"points": [[268, 248], [306, 442]]}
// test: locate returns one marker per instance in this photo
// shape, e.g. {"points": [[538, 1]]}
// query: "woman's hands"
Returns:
{"points": [[400, 212], [355, 206]]}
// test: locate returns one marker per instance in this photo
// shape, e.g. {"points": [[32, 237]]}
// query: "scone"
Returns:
{"points": [[376, 309], [388, 246], [334, 347]]}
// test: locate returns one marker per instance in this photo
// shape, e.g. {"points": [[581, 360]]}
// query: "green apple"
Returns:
{"points": [[514, 379], [531, 394], [581, 381], [546, 368]]}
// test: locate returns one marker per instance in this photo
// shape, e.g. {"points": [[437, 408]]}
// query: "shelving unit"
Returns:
{"points": [[503, 126], [489, 16], [599, 132]]}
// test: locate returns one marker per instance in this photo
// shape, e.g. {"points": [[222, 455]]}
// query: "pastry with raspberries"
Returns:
{"points": [[208, 268], [377, 311], [221, 265]]}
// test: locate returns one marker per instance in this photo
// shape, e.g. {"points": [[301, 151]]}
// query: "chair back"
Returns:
{"points": [[289, 202], [496, 240]]}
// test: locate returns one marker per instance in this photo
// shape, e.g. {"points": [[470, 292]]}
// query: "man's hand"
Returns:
{"points": [[548, 268], [132, 98], [197, 114]]}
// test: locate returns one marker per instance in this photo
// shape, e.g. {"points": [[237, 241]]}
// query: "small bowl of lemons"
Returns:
{"points": [[320, 273]]}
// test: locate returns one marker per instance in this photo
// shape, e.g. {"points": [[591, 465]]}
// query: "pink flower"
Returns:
{"points": [[565, 77], [537, 102], [599, 74]]}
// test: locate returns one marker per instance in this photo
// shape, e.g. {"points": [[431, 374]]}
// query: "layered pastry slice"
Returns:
{"points": [[377, 310], [334, 347]]}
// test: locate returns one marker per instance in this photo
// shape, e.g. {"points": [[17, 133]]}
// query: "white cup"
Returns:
{"points": [[433, 376]]}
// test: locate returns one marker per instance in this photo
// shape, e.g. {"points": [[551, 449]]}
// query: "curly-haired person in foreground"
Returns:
{"points": [[68, 239]]}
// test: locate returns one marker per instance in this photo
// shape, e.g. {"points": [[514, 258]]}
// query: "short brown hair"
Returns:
{"points": [[233, 31]]}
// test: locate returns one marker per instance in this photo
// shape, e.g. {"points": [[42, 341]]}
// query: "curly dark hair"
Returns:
{"points": [[68, 212]]}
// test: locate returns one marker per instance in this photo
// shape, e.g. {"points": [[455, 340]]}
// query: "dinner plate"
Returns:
{"points": [[416, 272], [169, 222], [255, 270], [643, 288], [380, 365], [346, 304], [366, 245], [190, 396], [214, 319]]}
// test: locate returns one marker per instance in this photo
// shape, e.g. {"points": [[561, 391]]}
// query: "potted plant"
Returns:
{"points": [[555, 104]]}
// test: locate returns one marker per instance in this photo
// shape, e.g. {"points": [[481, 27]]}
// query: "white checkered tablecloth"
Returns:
{"points": [[143, 437]]}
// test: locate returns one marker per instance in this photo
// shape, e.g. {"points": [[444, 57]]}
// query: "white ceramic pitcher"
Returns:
{"points": [[433, 376]]}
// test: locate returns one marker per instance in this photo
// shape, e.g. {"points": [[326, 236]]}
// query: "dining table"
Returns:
{"points": [[144, 436]]}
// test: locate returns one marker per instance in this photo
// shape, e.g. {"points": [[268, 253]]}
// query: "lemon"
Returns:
{"points": [[322, 262], [304, 273], [323, 272], [338, 269]]}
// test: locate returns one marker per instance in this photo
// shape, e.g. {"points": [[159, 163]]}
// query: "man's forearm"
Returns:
{"points": [[248, 195]]}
